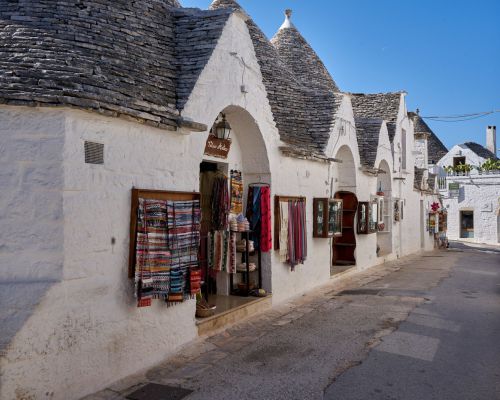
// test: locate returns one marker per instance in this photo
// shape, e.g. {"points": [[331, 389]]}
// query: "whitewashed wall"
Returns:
{"points": [[480, 194]]}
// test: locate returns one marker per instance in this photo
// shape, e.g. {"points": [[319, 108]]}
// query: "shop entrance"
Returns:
{"points": [[344, 246], [235, 262], [467, 224]]}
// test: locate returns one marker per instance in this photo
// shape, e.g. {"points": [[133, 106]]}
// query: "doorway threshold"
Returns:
{"points": [[230, 310]]}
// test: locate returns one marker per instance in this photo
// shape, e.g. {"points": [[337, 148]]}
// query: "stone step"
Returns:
{"points": [[226, 318]]}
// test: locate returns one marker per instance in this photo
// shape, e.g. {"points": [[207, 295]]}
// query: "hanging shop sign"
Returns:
{"points": [[217, 147]]}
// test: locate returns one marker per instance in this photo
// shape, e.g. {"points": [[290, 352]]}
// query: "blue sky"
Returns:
{"points": [[444, 53]]}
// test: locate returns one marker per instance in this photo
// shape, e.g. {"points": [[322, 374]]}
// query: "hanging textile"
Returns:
{"points": [[265, 226], [283, 239], [231, 268], [152, 272], [220, 203], [206, 190], [292, 232], [222, 251], [167, 250], [236, 192], [183, 241]]}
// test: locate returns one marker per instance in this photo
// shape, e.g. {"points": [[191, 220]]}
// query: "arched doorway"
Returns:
{"points": [[230, 175], [384, 191], [344, 246]]}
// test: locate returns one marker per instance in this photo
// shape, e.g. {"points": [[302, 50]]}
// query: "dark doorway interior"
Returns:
{"points": [[345, 245], [466, 224]]}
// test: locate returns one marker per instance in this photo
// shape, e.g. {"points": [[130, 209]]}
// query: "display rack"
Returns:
{"points": [[245, 258]]}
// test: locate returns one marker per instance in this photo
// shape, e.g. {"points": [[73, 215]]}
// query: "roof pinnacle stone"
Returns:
{"points": [[288, 23]]}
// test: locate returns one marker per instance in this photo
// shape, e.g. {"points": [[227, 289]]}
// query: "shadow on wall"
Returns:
{"points": [[18, 300], [461, 194]]}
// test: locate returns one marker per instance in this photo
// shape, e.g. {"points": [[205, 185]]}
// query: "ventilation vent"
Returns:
{"points": [[94, 153]]}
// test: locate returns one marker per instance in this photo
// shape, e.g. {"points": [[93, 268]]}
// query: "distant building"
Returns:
{"points": [[471, 190]]}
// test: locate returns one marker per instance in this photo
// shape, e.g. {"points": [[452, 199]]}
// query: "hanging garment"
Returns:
{"points": [[236, 192], [266, 241], [254, 214], [297, 233], [284, 227], [220, 203], [206, 191]]}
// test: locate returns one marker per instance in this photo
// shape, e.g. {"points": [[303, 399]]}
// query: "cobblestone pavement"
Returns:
{"points": [[296, 350]]}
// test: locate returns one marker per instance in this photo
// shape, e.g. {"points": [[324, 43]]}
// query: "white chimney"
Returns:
{"points": [[491, 139]]}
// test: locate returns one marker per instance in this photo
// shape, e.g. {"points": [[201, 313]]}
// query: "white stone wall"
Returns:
{"points": [[480, 194]]}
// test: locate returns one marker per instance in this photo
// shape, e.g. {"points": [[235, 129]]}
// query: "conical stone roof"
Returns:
{"points": [[304, 115], [300, 57]]}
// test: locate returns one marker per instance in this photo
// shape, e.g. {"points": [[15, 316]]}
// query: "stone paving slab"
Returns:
{"points": [[240, 352]]}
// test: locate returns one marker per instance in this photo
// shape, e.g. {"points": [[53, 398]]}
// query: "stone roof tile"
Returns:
{"points": [[113, 58], [480, 150], [301, 59], [419, 176], [378, 105], [197, 33], [368, 134]]}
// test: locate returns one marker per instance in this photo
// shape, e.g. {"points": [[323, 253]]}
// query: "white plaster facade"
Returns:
{"points": [[479, 193], [65, 233]]}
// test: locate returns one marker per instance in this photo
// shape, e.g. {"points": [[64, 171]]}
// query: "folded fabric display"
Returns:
{"points": [[243, 267], [241, 246], [167, 250], [242, 224]]}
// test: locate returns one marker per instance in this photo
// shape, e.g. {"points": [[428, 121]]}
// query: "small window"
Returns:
{"points": [[458, 161], [94, 153]]}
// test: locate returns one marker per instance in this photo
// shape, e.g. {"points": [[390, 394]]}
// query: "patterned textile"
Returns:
{"points": [[168, 236], [222, 251], [283, 231], [266, 239], [153, 257], [236, 192], [231, 267]]}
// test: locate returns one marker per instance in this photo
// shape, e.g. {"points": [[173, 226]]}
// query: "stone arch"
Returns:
{"points": [[248, 153], [345, 171]]}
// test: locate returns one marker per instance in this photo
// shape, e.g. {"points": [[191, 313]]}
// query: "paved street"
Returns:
{"points": [[425, 327]]}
